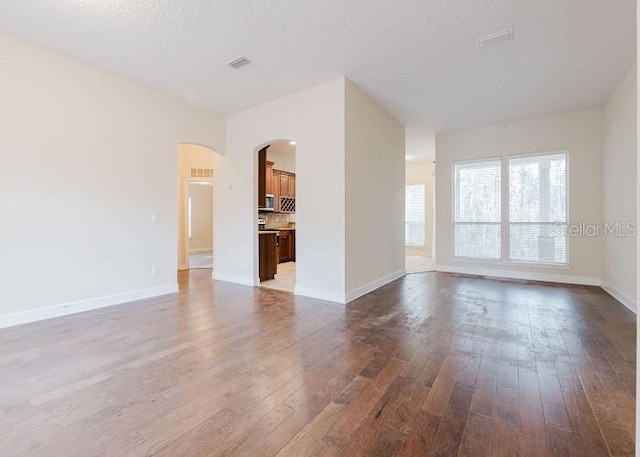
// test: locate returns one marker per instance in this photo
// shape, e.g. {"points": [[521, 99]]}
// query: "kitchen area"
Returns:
{"points": [[276, 215]]}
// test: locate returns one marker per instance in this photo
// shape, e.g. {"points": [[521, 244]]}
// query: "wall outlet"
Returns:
{"points": [[154, 271], [154, 218]]}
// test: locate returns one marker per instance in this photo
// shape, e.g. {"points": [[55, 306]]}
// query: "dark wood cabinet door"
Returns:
{"points": [[269, 177], [268, 256], [292, 245], [284, 254], [262, 163]]}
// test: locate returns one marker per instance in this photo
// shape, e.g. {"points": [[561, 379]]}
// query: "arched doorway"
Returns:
{"points": [[195, 206], [276, 218]]}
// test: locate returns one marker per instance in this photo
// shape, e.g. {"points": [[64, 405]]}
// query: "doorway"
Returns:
{"points": [[200, 223], [195, 206], [419, 212], [276, 218]]}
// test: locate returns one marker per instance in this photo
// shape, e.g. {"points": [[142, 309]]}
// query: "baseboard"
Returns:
{"points": [[243, 281], [319, 294], [621, 297], [64, 309], [373, 285], [521, 275]]}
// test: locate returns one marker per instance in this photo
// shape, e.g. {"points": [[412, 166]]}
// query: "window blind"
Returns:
{"points": [[538, 208], [414, 225], [477, 209]]}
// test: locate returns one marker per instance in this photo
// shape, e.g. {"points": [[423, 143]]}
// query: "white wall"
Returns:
{"points": [[423, 173], [619, 168], [201, 217], [375, 174], [87, 158], [420, 145], [315, 120], [283, 156], [581, 133]]}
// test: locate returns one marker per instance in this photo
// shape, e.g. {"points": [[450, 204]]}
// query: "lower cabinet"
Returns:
{"points": [[283, 243], [287, 246], [268, 253], [292, 245]]}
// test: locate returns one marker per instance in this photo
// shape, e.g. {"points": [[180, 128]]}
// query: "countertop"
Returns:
{"points": [[268, 232]]}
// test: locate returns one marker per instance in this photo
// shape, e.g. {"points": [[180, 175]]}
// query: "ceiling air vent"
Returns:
{"points": [[239, 62]]}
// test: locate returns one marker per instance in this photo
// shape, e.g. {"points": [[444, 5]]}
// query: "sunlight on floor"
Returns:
{"points": [[416, 263], [284, 280], [201, 259]]}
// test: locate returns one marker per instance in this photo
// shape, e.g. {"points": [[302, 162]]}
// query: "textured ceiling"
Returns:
{"points": [[416, 57]]}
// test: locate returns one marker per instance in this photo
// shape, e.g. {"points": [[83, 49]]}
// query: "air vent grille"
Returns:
{"points": [[239, 62], [202, 172]]}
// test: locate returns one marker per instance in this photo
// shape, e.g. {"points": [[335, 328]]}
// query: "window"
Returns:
{"points": [[477, 209], [538, 208], [414, 225]]}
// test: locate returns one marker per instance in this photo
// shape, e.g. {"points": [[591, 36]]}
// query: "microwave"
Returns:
{"points": [[269, 203]]}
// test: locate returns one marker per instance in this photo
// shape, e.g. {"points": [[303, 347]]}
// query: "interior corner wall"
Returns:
{"points": [[88, 162], [619, 171], [375, 177], [315, 120], [189, 156], [581, 133]]}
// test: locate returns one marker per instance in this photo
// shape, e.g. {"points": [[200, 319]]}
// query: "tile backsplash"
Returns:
{"points": [[279, 220]]}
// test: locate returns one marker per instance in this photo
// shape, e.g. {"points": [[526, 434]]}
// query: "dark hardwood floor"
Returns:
{"points": [[430, 365]]}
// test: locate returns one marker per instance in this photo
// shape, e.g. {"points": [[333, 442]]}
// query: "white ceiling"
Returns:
{"points": [[416, 57]]}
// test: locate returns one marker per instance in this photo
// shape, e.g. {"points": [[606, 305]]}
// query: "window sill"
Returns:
{"points": [[511, 263]]}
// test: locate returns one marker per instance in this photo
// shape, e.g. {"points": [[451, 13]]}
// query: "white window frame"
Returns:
{"points": [[453, 211], [508, 259], [505, 224]]}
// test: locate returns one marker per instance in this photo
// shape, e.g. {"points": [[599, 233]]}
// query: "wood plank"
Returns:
{"points": [[431, 364]]}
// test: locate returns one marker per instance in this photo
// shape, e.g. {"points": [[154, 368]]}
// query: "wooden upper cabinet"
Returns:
{"points": [[275, 187], [292, 186], [284, 185], [262, 161], [269, 177]]}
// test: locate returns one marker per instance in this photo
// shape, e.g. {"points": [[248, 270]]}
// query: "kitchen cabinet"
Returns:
{"points": [[292, 185], [284, 184], [292, 245], [268, 253], [287, 246], [275, 187], [283, 246], [262, 163], [268, 177]]}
